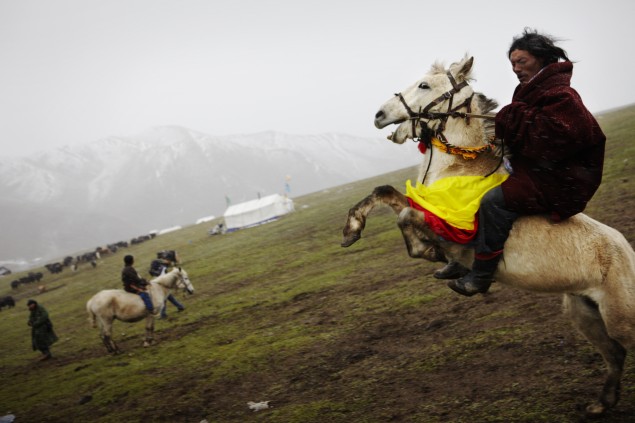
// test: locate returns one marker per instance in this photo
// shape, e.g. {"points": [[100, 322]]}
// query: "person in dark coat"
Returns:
{"points": [[134, 283], [159, 267], [556, 160], [42, 334]]}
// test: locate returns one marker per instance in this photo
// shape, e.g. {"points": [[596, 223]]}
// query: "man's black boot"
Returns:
{"points": [[452, 270], [478, 280]]}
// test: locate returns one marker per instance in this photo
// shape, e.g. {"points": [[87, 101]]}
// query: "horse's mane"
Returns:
{"points": [[486, 105], [164, 276]]}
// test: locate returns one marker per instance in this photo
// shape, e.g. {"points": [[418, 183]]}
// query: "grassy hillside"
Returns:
{"points": [[282, 313], [613, 203]]}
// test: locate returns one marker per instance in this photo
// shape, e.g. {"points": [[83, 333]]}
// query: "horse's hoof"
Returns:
{"points": [[434, 255], [595, 409], [351, 239]]}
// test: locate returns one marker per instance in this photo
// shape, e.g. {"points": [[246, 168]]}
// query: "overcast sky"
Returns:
{"points": [[75, 71]]}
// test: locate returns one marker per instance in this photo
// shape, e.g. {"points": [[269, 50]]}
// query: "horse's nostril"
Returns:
{"points": [[379, 114]]}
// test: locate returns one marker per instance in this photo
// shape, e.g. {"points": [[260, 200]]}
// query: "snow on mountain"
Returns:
{"points": [[121, 187]]}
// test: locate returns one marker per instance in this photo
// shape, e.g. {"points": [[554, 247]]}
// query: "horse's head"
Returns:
{"points": [[437, 92], [183, 281]]}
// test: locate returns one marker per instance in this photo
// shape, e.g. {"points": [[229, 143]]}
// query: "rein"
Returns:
{"points": [[439, 140]]}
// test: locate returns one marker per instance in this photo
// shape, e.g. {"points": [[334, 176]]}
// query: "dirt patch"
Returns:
{"points": [[509, 356], [509, 350]]}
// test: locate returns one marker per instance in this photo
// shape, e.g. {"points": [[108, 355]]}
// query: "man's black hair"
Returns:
{"points": [[128, 259], [538, 45]]}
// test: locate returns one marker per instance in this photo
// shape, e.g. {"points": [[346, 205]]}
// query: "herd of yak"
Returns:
{"points": [[70, 262]]}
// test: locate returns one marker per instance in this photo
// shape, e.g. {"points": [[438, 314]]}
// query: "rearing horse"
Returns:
{"points": [[110, 304], [592, 264]]}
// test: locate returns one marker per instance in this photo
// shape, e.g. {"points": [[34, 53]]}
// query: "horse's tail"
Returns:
{"points": [[92, 318]]}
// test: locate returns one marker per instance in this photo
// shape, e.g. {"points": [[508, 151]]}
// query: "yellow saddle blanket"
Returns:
{"points": [[455, 199]]}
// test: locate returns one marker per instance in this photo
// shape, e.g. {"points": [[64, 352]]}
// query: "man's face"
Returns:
{"points": [[524, 65]]}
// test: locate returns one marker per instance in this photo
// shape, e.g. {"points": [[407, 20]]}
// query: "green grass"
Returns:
{"points": [[283, 313]]}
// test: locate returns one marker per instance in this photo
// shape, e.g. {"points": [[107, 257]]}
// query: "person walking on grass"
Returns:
{"points": [[42, 333]]}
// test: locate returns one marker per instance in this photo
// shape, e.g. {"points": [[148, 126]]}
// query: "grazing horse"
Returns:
{"points": [[110, 304], [592, 264]]}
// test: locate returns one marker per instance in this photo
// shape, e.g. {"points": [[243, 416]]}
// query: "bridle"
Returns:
{"points": [[443, 116], [184, 283], [452, 112]]}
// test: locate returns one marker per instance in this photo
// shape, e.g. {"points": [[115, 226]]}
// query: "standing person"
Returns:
{"points": [[557, 155], [159, 267], [42, 334], [135, 284], [180, 307]]}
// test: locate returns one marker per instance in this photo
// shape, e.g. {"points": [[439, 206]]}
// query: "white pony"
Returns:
{"points": [[110, 304], [592, 264]]}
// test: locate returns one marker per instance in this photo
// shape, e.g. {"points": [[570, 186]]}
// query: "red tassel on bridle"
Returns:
{"points": [[422, 147]]}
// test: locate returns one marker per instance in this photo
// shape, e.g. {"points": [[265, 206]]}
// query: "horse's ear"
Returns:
{"points": [[462, 69]]}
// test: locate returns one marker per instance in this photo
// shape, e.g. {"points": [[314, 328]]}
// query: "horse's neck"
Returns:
{"points": [[445, 165], [438, 164], [163, 284]]}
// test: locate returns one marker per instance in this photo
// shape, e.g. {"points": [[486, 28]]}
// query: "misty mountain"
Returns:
{"points": [[74, 199]]}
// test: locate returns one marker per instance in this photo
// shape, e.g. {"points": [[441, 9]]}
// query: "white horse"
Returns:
{"points": [[110, 304], [592, 264]]}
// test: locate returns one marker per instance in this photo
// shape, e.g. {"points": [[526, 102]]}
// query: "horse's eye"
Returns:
{"points": [[424, 86]]}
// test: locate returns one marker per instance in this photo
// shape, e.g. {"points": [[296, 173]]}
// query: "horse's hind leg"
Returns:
{"points": [[106, 337], [356, 220], [110, 344], [586, 317]]}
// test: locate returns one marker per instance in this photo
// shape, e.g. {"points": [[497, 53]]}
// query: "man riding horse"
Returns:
{"points": [[556, 162], [135, 284]]}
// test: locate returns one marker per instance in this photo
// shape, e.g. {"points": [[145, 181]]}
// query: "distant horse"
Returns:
{"points": [[592, 264], [110, 304]]}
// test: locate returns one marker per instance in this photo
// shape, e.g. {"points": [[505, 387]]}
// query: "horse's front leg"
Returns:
{"points": [[413, 228], [149, 331], [356, 220]]}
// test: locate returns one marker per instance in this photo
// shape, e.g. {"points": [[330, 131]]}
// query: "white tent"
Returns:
{"points": [[256, 212]]}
